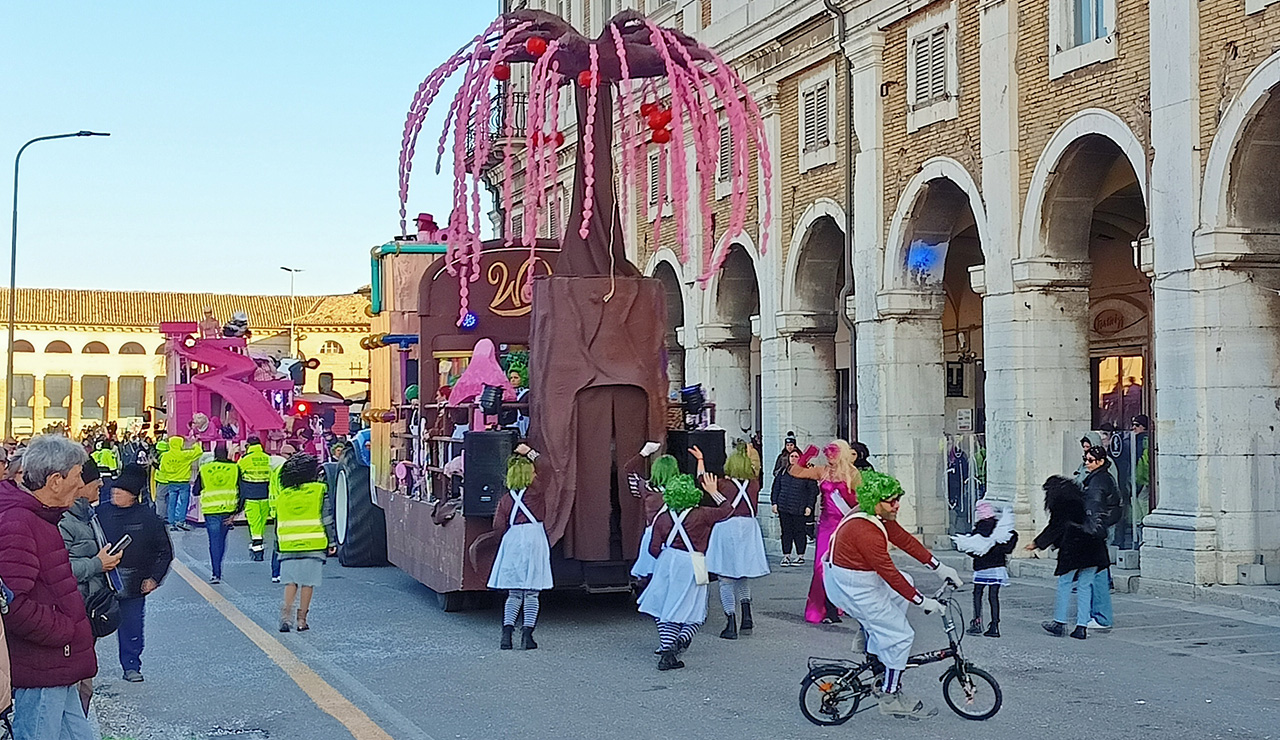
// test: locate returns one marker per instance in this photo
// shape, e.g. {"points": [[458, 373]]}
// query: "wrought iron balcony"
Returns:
{"points": [[499, 118]]}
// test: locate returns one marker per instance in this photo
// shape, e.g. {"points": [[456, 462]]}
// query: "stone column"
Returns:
{"points": [[725, 372], [112, 411], [73, 405], [38, 405], [806, 376]]}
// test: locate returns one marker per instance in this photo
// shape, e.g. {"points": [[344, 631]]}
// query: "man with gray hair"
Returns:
{"points": [[50, 641]]}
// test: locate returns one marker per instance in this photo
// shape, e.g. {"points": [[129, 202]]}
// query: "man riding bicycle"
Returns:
{"points": [[862, 579]]}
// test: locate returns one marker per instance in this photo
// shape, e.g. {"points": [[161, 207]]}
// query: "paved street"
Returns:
{"points": [[379, 640]]}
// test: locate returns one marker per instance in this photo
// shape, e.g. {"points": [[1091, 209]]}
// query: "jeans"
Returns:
{"points": [[129, 634], [179, 495], [216, 526], [50, 714], [1101, 610], [1080, 581]]}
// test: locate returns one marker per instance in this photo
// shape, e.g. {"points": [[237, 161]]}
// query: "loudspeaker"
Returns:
{"points": [[711, 442], [484, 471]]}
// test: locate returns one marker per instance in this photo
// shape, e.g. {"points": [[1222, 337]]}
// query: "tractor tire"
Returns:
{"points": [[361, 525]]}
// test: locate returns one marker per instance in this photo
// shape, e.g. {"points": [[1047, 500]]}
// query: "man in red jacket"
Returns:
{"points": [[50, 642]]}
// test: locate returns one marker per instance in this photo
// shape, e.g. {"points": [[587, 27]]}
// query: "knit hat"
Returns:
{"points": [[984, 510], [89, 471], [132, 478]]}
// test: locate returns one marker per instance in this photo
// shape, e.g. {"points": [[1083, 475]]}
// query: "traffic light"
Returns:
{"points": [[301, 409]]}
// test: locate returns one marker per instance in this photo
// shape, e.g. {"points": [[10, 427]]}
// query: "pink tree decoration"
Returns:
{"points": [[631, 54]]}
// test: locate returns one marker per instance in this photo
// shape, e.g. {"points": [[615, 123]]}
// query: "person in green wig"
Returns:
{"points": [[862, 579], [523, 564], [736, 550], [676, 596], [663, 469]]}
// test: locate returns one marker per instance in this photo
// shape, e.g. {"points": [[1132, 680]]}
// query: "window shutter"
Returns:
{"points": [[724, 165], [517, 225], [553, 215], [822, 115], [938, 64], [920, 55], [653, 179], [808, 113]]}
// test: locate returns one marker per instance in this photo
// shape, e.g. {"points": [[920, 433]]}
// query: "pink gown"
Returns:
{"points": [[828, 517]]}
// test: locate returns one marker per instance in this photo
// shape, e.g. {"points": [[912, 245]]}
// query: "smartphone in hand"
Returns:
{"points": [[119, 547]]}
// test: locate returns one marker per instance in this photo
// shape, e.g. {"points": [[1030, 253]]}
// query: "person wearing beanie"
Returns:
{"points": [[735, 551], [784, 457], [143, 564], [862, 579], [522, 566], [676, 596], [989, 544]]}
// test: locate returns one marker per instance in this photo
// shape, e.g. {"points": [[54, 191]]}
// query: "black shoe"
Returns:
{"points": [[975, 627], [669, 661], [257, 556], [682, 644], [526, 639], [1057, 629], [730, 631], [993, 630], [507, 631], [1079, 632], [747, 623]]}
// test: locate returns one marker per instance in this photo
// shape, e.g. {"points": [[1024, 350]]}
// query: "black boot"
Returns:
{"points": [[507, 631], [975, 627], [669, 661], [526, 639], [747, 624], [731, 629], [257, 556], [993, 630]]}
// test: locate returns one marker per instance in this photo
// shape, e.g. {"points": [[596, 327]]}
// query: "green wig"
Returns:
{"points": [[518, 362], [740, 465], [876, 487], [681, 493], [519, 472], [664, 469]]}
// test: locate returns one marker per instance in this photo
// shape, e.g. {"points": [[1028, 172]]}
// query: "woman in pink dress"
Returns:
{"points": [[838, 482]]}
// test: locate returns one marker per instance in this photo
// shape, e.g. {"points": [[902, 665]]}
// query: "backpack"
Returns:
{"points": [[103, 608]]}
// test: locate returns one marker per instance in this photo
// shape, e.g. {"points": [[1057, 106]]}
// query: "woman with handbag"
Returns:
{"points": [[677, 594]]}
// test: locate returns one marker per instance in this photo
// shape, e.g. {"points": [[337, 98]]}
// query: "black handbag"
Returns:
{"points": [[104, 612]]}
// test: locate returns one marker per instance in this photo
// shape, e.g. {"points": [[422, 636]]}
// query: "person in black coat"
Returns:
{"points": [[145, 562], [793, 500], [1104, 509], [1081, 552]]}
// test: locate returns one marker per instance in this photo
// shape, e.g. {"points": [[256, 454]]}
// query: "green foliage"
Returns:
{"points": [[876, 487]]}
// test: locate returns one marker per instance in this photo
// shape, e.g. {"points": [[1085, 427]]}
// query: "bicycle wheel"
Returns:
{"points": [[973, 695], [830, 696]]}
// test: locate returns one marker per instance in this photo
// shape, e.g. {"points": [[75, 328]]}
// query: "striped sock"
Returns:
{"points": [[892, 680], [728, 594], [530, 608], [687, 631], [667, 634], [742, 589], [512, 607]]}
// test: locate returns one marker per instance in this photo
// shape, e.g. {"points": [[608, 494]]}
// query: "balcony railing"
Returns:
{"points": [[499, 117]]}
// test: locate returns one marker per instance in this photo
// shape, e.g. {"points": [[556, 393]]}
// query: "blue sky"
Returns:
{"points": [[244, 136]]}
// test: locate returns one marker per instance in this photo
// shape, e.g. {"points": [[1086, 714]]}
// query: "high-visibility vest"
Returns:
{"points": [[219, 493], [175, 463], [255, 465], [105, 459], [299, 527]]}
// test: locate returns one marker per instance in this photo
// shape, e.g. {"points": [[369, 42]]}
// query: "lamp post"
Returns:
{"points": [[293, 309], [13, 273]]}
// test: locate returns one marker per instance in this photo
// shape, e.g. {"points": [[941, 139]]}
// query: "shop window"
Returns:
{"points": [[1119, 390]]}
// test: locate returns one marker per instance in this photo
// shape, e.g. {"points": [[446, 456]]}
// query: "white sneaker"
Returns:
{"points": [[1093, 625]]}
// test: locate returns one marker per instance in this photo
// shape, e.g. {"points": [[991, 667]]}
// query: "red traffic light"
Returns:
{"points": [[301, 408]]}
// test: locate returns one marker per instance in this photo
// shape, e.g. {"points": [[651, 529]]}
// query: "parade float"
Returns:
{"points": [[571, 318]]}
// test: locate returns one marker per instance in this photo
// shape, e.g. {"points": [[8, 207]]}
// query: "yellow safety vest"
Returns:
{"points": [[255, 465], [299, 527], [105, 459], [219, 493], [175, 463]]}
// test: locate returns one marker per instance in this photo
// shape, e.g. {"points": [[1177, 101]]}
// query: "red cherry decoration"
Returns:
{"points": [[648, 109], [536, 45], [536, 137], [664, 115], [559, 139], [661, 136], [585, 78], [502, 72], [655, 121]]}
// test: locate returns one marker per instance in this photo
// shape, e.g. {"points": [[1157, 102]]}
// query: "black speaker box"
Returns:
{"points": [[711, 442], [484, 466]]}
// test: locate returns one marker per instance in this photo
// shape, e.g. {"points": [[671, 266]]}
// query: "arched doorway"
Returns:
{"points": [[730, 335], [817, 347], [675, 323]]}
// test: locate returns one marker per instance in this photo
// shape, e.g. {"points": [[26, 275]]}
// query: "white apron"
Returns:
{"points": [[868, 598], [736, 548], [674, 594], [524, 557], [644, 561]]}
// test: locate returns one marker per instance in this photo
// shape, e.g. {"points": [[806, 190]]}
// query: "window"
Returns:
{"points": [[23, 345], [553, 214], [160, 349], [93, 397], [133, 393], [95, 348], [330, 347], [817, 122], [132, 348], [517, 224], [57, 348], [158, 387], [933, 69], [1253, 6], [1081, 33], [21, 394], [724, 164], [57, 391], [654, 174]]}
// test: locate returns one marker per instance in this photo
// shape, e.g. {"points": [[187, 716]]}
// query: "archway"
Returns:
{"points": [[664, 272], [817, 395], [731, 362]]}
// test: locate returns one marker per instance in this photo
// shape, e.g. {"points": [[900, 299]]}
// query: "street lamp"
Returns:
{"points": [[13, 272], [293, 308]]}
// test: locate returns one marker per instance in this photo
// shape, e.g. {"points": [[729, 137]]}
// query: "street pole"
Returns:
{"points": [[13, 274], [293, 310]]}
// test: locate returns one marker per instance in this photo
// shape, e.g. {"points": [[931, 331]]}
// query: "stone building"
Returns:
{"points": [[1033, 217], [88, 356]]}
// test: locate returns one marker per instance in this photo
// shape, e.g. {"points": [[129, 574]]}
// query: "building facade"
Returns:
{"points": [[1019, 221], [84, 357]]}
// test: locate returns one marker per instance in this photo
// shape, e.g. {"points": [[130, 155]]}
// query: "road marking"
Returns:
{"points": [[325, 696]]}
